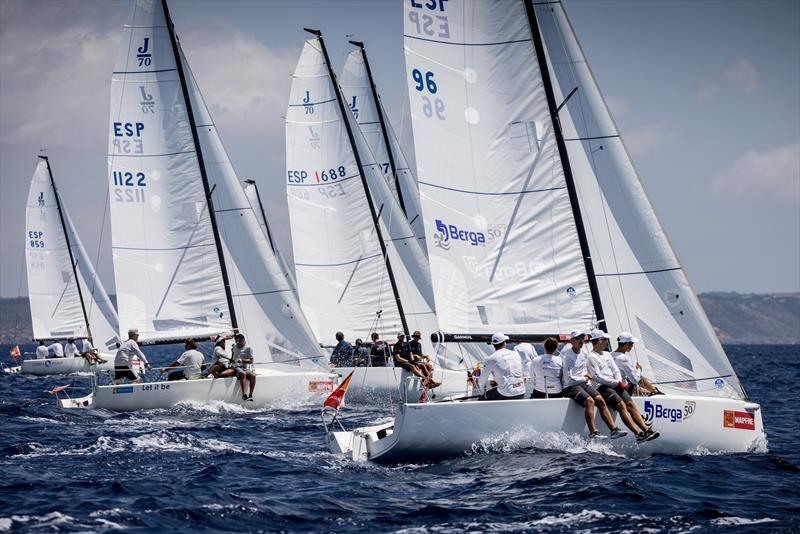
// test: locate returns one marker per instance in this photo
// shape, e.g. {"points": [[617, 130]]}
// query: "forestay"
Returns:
{"points": [[502, 240], [254, 198], [55, 299], [642, 285], [356, 87]]}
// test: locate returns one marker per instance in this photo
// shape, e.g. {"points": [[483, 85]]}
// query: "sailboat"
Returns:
{"points": [[67, 298], [539, 225], [190, 258], [360, 267]]}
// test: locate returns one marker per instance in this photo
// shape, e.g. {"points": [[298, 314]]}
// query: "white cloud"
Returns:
{"points": [[617, 106], [769, 177], [707, 90], [742, 74], [642, 141]]}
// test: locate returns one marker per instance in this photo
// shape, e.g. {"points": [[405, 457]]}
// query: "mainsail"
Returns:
{"points": [[340, 207], [362, 96], [196, 262], [67, 298], [530, 197]]}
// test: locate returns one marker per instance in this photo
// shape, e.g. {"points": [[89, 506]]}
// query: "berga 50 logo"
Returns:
{"points": [[654, 410], [734, 419], [446, 233]]}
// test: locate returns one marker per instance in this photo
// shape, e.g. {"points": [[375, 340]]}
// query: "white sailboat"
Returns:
{"points": [[67, 298], [539, 225], [190, 258], [370, 274]]}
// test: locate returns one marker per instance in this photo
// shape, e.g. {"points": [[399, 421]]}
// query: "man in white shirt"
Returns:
{"points": [[191, 362], [606, 375], [506, 368], [70, 349], [576, 386], [547, 372], [242, 358], [41, 351], [90, 353], [56, 349], [631, 373], [527, 353], [123, 361]]}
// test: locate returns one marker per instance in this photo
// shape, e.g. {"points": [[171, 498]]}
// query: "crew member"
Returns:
{"points": [[405, 359], [605, 373], [90, 353], [631, 373], [506, 368], [191, 361], [70, 349], [242, 358], [379, 353], [420, 360], [362, 354], [547, 372], [527, 353], [56, 349], [41, 351], [342, 355], [576, 387], [123, 361]]}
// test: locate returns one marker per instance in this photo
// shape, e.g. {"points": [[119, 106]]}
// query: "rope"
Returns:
{"points": [[692, 379]]}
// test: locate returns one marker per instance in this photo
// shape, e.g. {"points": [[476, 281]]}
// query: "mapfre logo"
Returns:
{"points": [[447, 233], [734, 419]]}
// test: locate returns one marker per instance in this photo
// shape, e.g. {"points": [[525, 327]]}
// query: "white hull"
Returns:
{"points": [[64, 366], [375, 384], [273, 388], [441, 430]]}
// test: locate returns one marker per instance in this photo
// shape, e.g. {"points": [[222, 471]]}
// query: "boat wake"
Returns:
{"points": [[559, 441]]}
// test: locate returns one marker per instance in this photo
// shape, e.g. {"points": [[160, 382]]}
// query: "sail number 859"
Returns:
{"points": [[426, 83]]}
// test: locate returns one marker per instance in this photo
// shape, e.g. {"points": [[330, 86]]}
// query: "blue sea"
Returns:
{"points": [[219, 467]]}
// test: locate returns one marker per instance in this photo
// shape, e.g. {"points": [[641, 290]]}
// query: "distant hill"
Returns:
{"points": [[738, 318]]}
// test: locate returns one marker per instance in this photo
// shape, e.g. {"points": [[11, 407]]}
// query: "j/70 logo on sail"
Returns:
{"points": [[445, 233]]}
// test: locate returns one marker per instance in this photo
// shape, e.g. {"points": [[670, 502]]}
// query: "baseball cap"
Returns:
{"points": [[576, 334], [400, 334], [416, 334], [626, 337], [598, 334], [499, 337]]}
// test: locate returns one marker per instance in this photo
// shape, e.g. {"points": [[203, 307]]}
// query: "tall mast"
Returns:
{"points": [[344, 112], [382, 121], [69, 246], [199, 152], [263, 214], [562, 151]]}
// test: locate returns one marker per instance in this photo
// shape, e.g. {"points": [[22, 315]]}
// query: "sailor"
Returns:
{"points": [[362, 354], [421, 360], [547, 372], [242, 357], [576, 386], [220, 361], [631, 373], [527, 353], [506, 368], [191, 361], [41, 351], [90, 353], [123, 361], [342, 355], [56, 349], [379, 352], [70, 349], [606, 375], [405, 359]]}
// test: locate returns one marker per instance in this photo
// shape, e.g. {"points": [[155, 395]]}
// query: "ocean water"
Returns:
{"points": [[219, 467]]}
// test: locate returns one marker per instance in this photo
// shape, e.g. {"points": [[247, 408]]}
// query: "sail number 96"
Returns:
{"points": [[425, 82]]}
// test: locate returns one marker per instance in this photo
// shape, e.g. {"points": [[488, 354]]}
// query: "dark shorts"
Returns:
{"points": [[580, 393], [542, 395], [407, 366], [176, 375], [613, 396], [124, 372], [492, 394], [631, 388]]}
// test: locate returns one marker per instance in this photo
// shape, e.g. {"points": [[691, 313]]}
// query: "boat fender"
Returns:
{"points": [[752, 407]]}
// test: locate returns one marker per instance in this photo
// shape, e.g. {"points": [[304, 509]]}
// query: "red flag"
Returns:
{"points": [[423, 398], [56, 390], [14, 352], [336, 398]]}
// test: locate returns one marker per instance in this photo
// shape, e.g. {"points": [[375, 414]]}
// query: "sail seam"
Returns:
{"points": [[149, 155], [492, 192], [612, 136], [163, 249], [640, 272], [324, 183], [310, 104], [263, 292], [142, 71], [467, 44], [298, 264]]}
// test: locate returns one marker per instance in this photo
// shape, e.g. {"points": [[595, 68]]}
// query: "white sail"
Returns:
{"points": [[502, 239], [264, 296], [356, 87], [251, 192], [167, 270], [54, 292], [643, 287]]}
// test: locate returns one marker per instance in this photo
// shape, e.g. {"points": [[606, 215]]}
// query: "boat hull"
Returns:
{"points": [[273, 388], [688, 425], [381, 384], [63, 366]]}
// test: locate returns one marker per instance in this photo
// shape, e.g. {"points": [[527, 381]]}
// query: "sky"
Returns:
{"points": [[706, 95]]}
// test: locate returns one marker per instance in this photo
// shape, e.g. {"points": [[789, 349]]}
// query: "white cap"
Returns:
{"points": [[576, 334], [626, 337], [498, 338], [598, 334]]}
